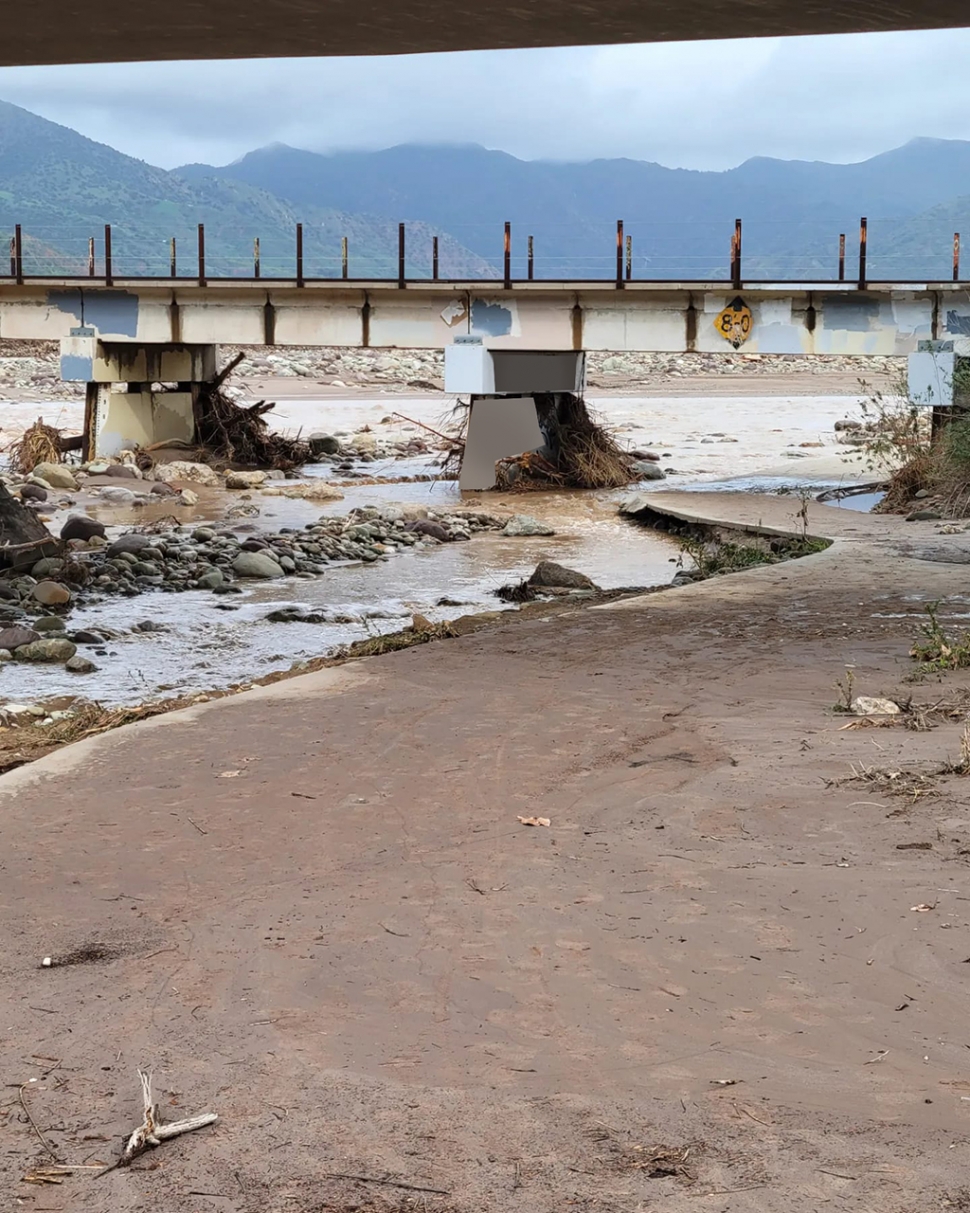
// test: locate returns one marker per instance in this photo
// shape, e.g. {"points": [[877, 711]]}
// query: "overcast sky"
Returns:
{"points": [[695, 105]]}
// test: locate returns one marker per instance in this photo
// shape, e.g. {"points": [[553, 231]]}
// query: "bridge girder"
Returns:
{"points": [[61, 31]]}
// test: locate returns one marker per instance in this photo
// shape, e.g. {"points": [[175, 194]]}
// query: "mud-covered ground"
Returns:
{"points": [[727, 975]]}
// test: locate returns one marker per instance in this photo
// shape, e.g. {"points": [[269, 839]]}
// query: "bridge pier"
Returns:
{"points": [[121, 409], [502, 386]]}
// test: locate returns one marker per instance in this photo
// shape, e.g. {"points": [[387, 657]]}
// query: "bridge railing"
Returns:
{"points": [[637, 250]]}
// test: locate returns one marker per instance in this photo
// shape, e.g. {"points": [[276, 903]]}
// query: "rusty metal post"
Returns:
{"points": [[18, 255], [619, 254], [90, 256], [202, 279], [532, 261], [863, 250], [842, 257], [736, 262], [507, 273], [299, 254], [13, 257], [344, 258], [629, 258], [108, 270], [257, 266], [434, 258], [172, 259], [956, 256], [401, 274]]}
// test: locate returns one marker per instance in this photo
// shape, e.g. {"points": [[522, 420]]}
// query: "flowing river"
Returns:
{"points": [[209, 642]]}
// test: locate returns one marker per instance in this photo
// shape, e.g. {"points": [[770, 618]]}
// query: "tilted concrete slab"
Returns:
{"points": [[53, 31]]}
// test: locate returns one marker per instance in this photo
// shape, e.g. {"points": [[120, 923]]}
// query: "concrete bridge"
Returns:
{"points": [[768, 318], [502, 341]]}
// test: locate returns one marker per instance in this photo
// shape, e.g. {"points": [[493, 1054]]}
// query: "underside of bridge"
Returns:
{"points": [[55, 31]]}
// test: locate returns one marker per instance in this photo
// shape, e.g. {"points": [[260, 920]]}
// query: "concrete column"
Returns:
{"points": [[929, 373], [125, 420], [498, 427]]}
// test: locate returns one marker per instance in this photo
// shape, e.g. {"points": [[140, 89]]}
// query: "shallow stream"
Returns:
{"points": [[217, 641]]}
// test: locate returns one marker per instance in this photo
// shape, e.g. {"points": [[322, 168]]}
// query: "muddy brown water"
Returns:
{"points": [[218, 641]]}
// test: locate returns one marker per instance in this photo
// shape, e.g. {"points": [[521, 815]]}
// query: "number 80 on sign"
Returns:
{"points": [[735, 322]]}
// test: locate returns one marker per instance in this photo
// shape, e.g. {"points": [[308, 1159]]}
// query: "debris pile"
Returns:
{"points": [[227, 432], [578, 453], [582, 452]]}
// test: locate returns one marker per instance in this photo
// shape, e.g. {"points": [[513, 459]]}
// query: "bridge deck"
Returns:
{"points": [[763, 317]]}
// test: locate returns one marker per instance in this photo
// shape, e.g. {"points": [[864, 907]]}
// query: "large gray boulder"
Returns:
{"points": [[116, 495], [55, 475], [17, 637], [525, 524], [53, 649], [181, 470], [646, 469], [78, 526], [246, 480], [324, 444], [553, 575], [49, 623], [132, 544], [81, 665], [256, 564]]}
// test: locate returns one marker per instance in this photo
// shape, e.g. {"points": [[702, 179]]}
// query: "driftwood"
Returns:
{"points": [[23, 537], [226, 371], [239, 434], [431, 430], [151, 1132]]}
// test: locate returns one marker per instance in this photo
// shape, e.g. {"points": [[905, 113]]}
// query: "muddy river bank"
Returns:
{"points": [[199, 641]]}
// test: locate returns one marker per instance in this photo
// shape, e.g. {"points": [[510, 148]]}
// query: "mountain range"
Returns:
{"points": [[62, 188], [680, 220]]}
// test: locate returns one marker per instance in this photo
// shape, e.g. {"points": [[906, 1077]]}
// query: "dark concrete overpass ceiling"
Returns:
{"points": [[101, 31]]}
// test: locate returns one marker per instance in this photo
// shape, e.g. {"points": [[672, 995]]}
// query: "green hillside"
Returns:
{"points": [[63, 188]]}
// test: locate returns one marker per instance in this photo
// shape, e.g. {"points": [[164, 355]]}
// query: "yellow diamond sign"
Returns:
{"points": [[735, 322]]}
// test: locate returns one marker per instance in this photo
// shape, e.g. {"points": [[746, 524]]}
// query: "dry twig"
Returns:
{"points": [[151, 1132], [33, 1124]]}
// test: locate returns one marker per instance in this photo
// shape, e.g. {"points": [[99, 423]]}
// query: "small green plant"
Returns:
{"points": [[844, 686], [801, 514], [935, 649], [711, 557], [899, 439], [807, 546], [896, 427]]}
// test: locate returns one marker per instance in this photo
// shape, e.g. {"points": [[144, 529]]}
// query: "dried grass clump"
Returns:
{"points": [[905, 482], [39, 444]]}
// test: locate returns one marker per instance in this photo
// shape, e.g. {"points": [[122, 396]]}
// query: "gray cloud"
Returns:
{"points": [[695, 105]]}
